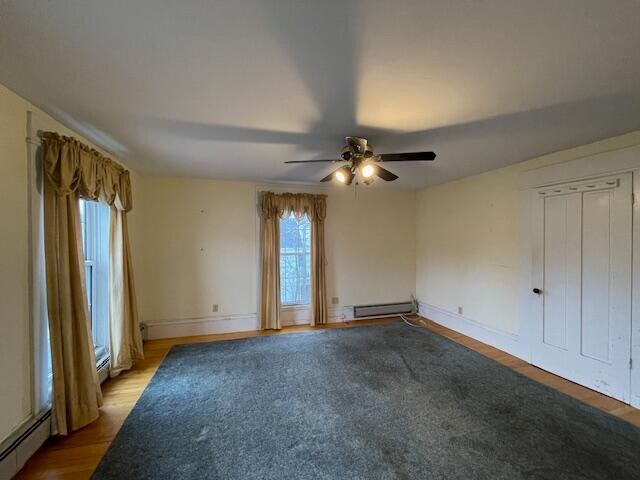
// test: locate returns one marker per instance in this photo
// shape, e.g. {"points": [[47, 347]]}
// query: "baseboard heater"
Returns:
{"points": [[381, 309], [22, 444]]}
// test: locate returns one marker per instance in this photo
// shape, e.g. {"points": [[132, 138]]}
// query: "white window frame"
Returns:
{"points": [[40, 355]]}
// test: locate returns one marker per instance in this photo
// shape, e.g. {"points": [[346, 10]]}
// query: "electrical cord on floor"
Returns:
{"points": [[409, 322], [414, 312]]}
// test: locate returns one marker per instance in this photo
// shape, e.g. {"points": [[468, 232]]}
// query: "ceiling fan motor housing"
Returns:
{"points": [[356, 150], [346, 153]]}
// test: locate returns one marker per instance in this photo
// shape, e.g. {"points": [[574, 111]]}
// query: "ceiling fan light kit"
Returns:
{"points": [[344, 175], [364, 165], [368, 170]]}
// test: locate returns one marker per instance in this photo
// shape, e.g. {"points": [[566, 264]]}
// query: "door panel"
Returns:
{"points": [[582, 264], [596, 275], [556, 268]]}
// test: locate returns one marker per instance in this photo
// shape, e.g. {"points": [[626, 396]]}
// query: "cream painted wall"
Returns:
{"points": [[370, 245], [200, 247], [15, 367], [467, 251], [15, 396]]}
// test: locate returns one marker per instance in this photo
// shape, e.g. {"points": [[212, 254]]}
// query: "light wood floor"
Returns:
{"points": [[76, 456]]}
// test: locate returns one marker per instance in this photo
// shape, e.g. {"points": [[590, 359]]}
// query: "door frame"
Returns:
{"points": [[626, 160]]}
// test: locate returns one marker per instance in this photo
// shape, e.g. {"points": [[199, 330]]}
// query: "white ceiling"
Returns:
{"points": [[232, 88]]}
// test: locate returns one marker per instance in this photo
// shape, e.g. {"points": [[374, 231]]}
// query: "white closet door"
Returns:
{"points": [[582, 281]]}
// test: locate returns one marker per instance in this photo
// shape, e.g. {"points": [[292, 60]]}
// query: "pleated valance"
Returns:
{"points": [[284, 204], [71, 165]]}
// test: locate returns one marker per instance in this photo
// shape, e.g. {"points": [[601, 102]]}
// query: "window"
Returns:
{"points": [[94, 222], [295, 261]]}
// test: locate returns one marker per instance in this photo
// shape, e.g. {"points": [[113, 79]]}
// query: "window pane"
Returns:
{"points": [[94, 221], [295, 260], [83, 227]]}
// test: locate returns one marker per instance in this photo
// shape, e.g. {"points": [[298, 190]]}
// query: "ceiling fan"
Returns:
{"points": [[363, 162]]}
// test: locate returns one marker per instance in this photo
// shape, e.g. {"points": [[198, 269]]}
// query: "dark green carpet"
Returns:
{"points": [[380, 402]]}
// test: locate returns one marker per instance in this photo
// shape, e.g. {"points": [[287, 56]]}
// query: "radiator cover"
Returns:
{"points": [[360, 311]]}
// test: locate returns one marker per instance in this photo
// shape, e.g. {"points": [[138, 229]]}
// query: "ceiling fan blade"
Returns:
{"points": [[407, 157], [311, 161], [329, 177], [385, 174]]}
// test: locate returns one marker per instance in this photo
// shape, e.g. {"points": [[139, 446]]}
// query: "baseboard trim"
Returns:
{"points": [[499, 339], [188, 327], [19, 447]]}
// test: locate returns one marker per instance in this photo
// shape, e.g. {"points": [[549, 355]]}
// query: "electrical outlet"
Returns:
{"points": [[459, 310], [214, 308], [335, 300]]}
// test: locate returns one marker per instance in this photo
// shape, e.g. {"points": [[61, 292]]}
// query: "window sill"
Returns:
{"points": [[295, 306]]}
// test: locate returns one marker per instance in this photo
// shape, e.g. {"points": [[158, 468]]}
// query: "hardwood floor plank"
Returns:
{"points": [[77, 455]]}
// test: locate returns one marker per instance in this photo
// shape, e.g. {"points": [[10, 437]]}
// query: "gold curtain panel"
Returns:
{"points": [[72, 166], [73, 170], [272, 208]]}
